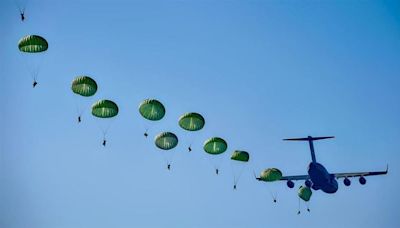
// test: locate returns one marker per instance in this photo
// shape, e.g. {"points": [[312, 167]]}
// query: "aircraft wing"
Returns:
{"points": [[359, 174], [297, 177]]}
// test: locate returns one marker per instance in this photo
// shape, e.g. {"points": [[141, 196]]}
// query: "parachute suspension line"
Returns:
{"points": [[105, 130], [308, 206], [298, 210], [273, 195], [168, 159]]}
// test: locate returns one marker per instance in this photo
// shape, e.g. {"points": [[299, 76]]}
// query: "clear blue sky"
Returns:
{"points": [[258, 71]]}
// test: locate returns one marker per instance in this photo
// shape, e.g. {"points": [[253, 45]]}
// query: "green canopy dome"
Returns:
{"points": [[239, 155], [191, 121], [84, 86], [104, 109], [152, 109], [271, 174], [305, 193], [215, 146], [166, 140], [32, 44]]}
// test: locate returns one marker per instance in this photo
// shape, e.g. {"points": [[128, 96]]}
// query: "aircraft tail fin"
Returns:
{"points": [[310, 141]]}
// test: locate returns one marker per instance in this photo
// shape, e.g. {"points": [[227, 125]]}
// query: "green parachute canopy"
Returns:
{"points": [[239, 155], [215, 146], [32, 44], [166, 140], [84, 86], [271, 174], [191, 121], [305, 193], [152, 109], [104, 109]]}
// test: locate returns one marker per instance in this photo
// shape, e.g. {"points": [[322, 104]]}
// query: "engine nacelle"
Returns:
{"points": [[290, 184], [308, 183], [362, 180], [347, 181]]}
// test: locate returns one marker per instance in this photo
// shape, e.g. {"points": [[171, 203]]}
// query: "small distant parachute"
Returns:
{"points": [[191, 121], [33, 46], [105, 109], [152, 109], [166, 140], [239, 160], [271, 174], [83, 86], [215, 146]]}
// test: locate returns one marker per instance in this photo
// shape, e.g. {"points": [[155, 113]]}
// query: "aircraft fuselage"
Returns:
{"points": [[321, 178]]}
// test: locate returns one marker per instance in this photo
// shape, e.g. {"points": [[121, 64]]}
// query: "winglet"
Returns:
{"points": [[387, 168]]}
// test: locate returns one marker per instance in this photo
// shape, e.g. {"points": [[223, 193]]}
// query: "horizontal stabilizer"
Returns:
{"points": [[309, 138]]}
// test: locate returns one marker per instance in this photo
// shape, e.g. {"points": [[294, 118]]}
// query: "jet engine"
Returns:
{"points": [[290, 184], [347, 181], [362, 180]]}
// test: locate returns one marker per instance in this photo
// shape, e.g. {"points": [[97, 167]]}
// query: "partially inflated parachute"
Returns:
{"points": [[271, 174], [241, 156], [239, 160], [305, 193]]}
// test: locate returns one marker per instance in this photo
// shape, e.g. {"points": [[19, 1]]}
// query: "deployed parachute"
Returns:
{"points": [[151, 109], [271, 174], [166, 141], [215, 146], [33, 45], [105, 109], [305, 193], [191, 121], [241, 156], [83, 86], [239, 160]]}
